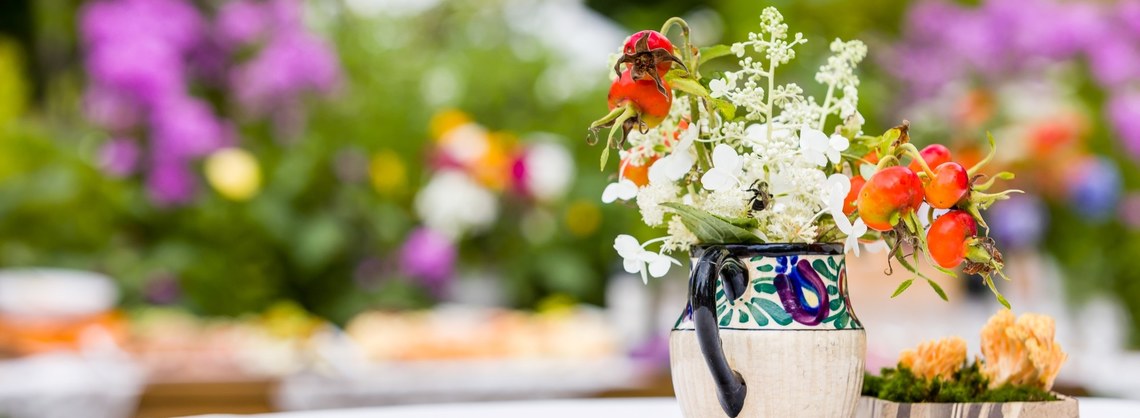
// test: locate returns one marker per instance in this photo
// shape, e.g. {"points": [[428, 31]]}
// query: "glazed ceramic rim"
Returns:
{"points": [[776, 248]]}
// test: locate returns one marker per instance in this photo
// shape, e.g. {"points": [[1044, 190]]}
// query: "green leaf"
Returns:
{"points": [[720, 310], [743, 317], [831, 262], [841, 322], [719, 294], [1001, 299], [832, 290], [835, 304], [767, 268], [710, 53], [821, 267], [857, 150], [675, 74], [725, 107], [938, 289], [761, 320], [690, 86], [727, 319], [902, 287], [712, 229], [765, 288], [774, 310]]}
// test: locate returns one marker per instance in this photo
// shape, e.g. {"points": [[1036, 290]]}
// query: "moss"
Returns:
{"points": [[968, 385]]}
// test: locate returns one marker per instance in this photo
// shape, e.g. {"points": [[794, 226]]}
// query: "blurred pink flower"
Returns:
{"points": [[119, 157], [185, 128], [170, 182], [242, 22], [429, 256], [1114, 61], [174, 23], [1124, 113], [291, 64], [109, 109]]}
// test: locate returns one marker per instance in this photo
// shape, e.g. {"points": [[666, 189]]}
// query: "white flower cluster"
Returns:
{"points": [[775, 164]]}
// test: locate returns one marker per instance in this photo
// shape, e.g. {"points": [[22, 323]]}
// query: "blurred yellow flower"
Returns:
{"points": [[446, 120], [234, 173], [1021, 351], [582, 218], [388, 173], [938, 358]]}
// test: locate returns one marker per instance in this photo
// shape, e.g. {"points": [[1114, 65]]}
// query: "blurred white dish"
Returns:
{"points": [[51, 292]]}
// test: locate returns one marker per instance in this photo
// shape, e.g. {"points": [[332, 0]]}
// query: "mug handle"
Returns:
{"points": [[714, 263]]}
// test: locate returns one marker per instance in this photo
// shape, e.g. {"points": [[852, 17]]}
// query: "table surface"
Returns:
{"points": [[602, 408]]}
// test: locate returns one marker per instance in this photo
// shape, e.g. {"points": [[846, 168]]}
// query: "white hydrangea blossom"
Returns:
{"points": [[650, 198], [766, 139]]}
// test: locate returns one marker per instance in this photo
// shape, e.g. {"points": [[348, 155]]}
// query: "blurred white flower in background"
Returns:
{"points": [[550, 170], [453, 204], [466, 144]]}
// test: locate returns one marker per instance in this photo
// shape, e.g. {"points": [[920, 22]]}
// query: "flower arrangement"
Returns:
{"points": [[745, 158], [1019, 362]]}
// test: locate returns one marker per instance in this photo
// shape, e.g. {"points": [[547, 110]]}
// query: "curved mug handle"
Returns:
{"points": [[716, 262]]}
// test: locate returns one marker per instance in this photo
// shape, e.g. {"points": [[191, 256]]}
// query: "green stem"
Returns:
{"points": [[826, 103]]}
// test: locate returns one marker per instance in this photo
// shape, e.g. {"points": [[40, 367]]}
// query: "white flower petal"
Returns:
{"points": [[838, 143], [633, 266], [716, 179], [609, 195], [813, 139], [725, 157], [687, 139], [875, 247], [658, 265], [627, 246], [867, 170]]}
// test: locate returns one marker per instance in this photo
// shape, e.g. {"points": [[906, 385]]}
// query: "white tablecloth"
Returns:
{"points": [[603, 408]]}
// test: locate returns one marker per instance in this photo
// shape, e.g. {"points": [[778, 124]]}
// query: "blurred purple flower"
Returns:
{"points": [[186, 127], [111, 110], [1018, 223], [143, 70], [430, 257], [1124, 113], [119, 157], [173, 23], [291, 64], [1129, 13], [1114, 61], [1094, 188], [170, 182], [242, 22]]}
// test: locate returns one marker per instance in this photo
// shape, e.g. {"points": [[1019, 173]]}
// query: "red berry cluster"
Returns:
{"points": [[888, 202], [641, 96]]}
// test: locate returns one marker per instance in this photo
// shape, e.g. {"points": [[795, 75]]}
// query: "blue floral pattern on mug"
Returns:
{"points": [[793, 291]]}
